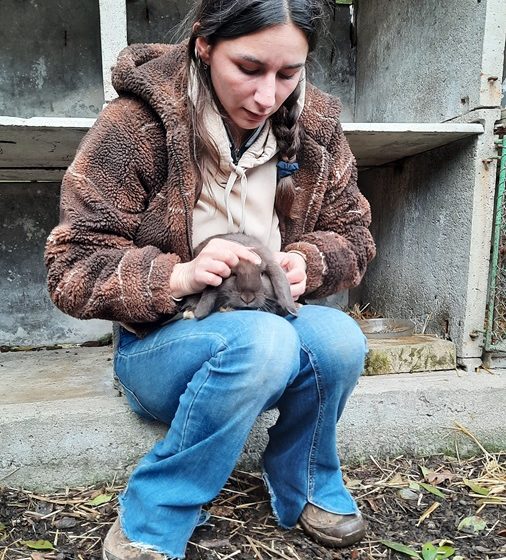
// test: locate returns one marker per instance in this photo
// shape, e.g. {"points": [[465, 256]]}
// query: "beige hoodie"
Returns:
{"points": [[239, 197]]}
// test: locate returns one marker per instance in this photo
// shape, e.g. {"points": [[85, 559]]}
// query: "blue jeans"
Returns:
{"points": [[209, 380]]}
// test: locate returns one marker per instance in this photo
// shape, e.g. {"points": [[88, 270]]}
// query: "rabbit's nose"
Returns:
{"points": [[247, 297]]}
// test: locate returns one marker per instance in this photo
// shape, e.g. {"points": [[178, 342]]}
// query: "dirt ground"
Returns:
{"points": [[406, 502]]}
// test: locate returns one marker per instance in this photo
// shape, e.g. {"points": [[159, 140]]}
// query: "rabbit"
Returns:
{"points": [[250, 286]]}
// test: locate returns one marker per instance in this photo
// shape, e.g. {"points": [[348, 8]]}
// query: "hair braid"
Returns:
{"points": [[289, 135]]}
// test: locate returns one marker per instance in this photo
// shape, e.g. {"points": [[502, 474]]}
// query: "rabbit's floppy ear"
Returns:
{"points": [[281, 288], [207, 302]]}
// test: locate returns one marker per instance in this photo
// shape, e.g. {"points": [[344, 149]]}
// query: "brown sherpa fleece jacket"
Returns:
{"points": [[127, 199]]}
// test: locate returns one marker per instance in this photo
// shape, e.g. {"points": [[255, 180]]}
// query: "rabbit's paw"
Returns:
{"points": [[225, 308], [188, 314]]}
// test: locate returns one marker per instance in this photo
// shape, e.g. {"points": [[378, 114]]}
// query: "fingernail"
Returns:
{"points": [[258, 258]]}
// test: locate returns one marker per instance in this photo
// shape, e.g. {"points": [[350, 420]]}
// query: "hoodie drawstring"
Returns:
{"points": [[236, 172]]}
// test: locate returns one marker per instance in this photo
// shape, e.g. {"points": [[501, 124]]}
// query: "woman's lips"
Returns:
{"points": [[254, 116]]}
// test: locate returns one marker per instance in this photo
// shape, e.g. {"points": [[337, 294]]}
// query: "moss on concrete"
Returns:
{"points": [[377, 362]]}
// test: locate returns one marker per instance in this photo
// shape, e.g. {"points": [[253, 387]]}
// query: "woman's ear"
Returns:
{"points": [[203, 49]]}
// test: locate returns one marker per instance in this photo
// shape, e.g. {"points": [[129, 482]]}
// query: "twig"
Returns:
{"points": [[231, 555], [9, 474], [253, 546], [470, 435]]}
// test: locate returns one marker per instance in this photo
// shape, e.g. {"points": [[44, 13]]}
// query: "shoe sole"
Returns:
{"points": [[332, 542]]}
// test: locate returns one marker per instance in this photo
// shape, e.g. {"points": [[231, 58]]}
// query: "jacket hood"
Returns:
{"points": [[154, 72]]}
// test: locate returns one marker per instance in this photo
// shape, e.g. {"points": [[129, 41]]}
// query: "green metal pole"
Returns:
{"points": [[495, 248]]}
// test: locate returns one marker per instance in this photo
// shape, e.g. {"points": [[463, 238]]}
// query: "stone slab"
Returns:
{"points": [[409, 354], [62, 423], [49, 144]]}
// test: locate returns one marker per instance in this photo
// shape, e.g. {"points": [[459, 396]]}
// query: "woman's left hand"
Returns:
{"points": [[294, 266]]}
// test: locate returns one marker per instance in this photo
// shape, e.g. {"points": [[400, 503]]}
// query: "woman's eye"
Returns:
{"points": [[248, 71], [286, 76]]}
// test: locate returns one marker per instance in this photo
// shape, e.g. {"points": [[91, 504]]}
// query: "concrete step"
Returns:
{"points": [[63, 424], [409, 354]]}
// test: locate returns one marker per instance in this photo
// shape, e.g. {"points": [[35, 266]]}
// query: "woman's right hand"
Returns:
{"points": [[214, 262]]}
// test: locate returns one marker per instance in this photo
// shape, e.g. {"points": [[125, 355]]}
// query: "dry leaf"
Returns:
{"points": [[439, 477]]}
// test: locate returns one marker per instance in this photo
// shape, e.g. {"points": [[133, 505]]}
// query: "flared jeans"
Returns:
{"points": [[209, 380]]}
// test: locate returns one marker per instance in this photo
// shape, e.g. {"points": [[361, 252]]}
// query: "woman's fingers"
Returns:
{"points": [[229, 252], [295, 269], [298, 289], [211, 271], [209, 267]]}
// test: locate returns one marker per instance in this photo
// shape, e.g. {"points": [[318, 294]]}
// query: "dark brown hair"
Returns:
{"points": [[226, 19]]}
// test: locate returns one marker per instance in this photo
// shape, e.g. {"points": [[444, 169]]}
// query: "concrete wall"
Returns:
{"points": [[28, 212], [503, 99], [418, 61], [50, 61], [422, 211]]}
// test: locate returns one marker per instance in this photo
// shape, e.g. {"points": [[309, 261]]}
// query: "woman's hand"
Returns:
{"points": [[294, 266], [209, 267]]}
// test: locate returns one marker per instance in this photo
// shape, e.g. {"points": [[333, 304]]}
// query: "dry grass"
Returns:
{"points": [[396, 496]]}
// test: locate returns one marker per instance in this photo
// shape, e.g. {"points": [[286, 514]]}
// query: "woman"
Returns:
{"points": [[221, 133]]}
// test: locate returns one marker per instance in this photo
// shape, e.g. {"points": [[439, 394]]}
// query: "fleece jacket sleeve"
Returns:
{"points": [[95, 270], [340, 246]]}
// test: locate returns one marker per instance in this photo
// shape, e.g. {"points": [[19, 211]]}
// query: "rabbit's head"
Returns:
{"points": [[250, 286]]}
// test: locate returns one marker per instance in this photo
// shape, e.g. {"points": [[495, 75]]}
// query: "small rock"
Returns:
{"points": [[65, 523], [408, 494]]}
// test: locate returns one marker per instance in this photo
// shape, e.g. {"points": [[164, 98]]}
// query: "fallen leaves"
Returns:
{"points": [[432, 489], [408, 551], [429, 550], [406, 518], [100, 499], [472, 524], [38, 545]]}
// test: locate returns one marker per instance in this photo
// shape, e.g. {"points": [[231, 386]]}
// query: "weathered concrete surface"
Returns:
{"points": [[113, 35], [62, 424], [432, 220], [409, 354], [41, 149], [50, 59], [404, 75], [28, 212]]}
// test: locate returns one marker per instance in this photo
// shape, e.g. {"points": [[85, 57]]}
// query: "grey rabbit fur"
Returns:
{"points": [[250, 286]]}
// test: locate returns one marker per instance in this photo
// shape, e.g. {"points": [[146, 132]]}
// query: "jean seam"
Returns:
{"points": [[158, 347], [321, 404], [132, 394], [190, 407]]}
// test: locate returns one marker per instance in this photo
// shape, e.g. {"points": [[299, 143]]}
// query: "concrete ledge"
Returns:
{"points": [[51, 439], [409, 354]]}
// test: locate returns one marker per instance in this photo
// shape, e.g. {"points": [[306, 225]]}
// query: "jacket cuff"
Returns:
{"points": [[316, 266], [159, 282]]}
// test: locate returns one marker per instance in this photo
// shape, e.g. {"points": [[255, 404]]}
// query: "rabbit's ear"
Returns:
{"points": [[281, 288], [207, 302]]}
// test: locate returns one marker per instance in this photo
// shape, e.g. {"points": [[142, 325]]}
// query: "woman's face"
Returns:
{"points": [[253, 75]]}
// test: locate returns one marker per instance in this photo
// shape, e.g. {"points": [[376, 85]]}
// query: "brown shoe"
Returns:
{"points": [[331, 529], [118, 547]]}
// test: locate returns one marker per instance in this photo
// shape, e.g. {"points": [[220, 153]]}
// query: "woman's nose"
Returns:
{"points": [[265, 95]]}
